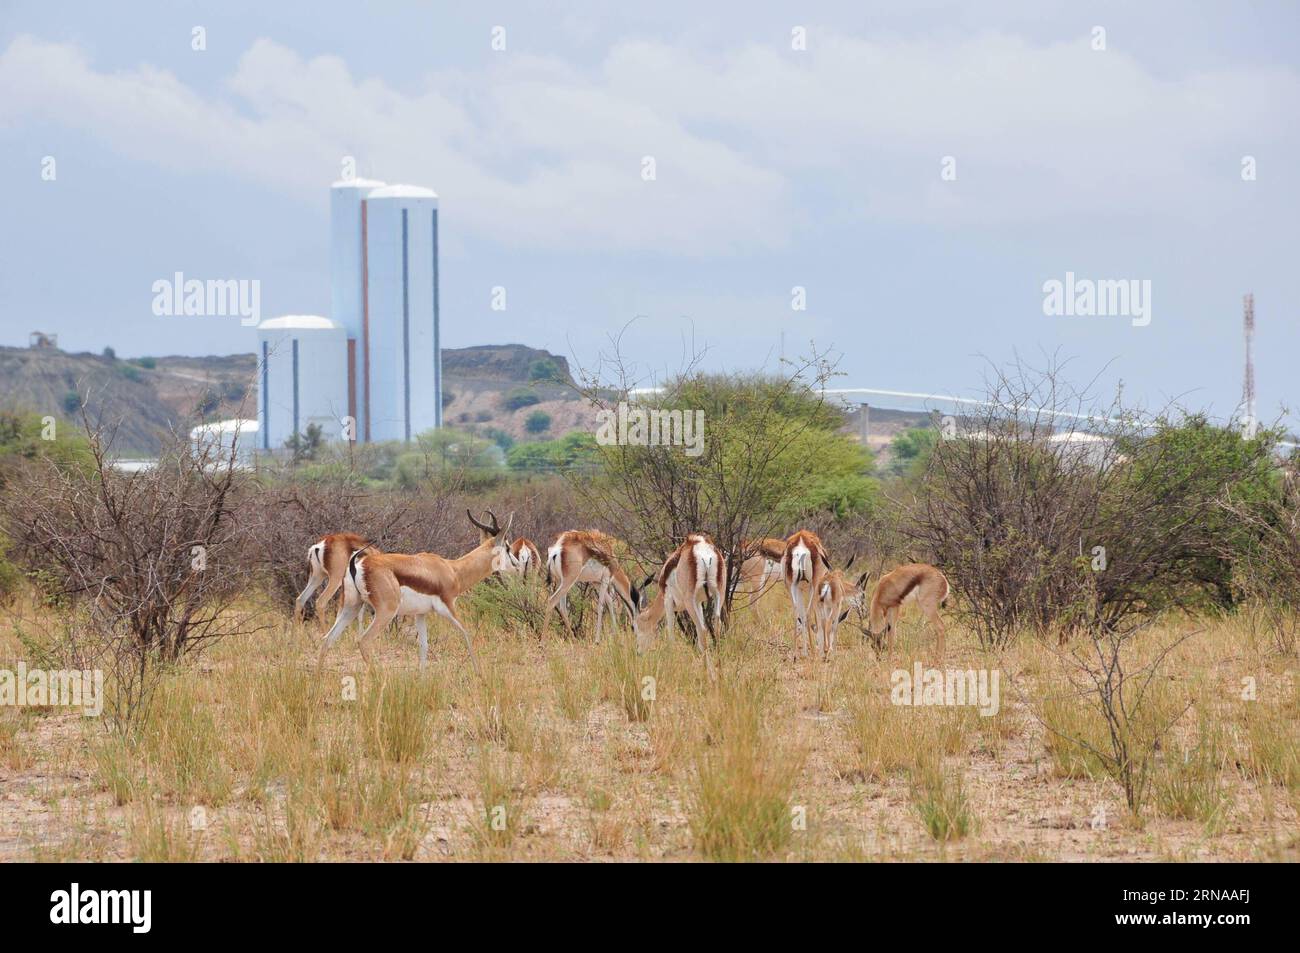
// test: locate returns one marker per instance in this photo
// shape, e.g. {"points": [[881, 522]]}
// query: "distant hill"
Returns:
{"points": [[148, 398]]}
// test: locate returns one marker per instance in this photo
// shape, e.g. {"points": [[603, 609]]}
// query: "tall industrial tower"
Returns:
{"points": [[1248, 383], [384, 277]]}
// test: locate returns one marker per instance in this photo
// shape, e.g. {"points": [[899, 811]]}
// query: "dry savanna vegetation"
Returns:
{"points": [[1146, 704], [565, 751]]}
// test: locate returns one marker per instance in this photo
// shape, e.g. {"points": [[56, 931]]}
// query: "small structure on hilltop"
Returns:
{"points": [[41, 340]]}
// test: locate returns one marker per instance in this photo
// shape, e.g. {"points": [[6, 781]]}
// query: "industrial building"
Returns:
{"points": [[373, 370], [302, 363]]}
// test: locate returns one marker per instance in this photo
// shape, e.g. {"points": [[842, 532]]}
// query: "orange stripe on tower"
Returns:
{"points": [[365, 314], [352, 385]]}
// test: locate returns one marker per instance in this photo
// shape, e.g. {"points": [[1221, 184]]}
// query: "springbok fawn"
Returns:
{"points": [[327, 561], [393, 584], [526, 556], [838, 596], [804, 565], [919, 581], [586, 556], [695, 573]]}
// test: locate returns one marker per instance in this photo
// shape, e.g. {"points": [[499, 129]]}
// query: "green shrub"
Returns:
{"points": [[544, 369], [518, 398]]}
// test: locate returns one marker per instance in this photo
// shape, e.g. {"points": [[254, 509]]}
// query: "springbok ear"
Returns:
{"points": [[862, 580], [850, 562]]}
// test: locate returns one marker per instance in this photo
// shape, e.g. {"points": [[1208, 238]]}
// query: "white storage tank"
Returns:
{"points": [[215, 441], [346, 284], [347, 278], [400, 389], [302, 378]]}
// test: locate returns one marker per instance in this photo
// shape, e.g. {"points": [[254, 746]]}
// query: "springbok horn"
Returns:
{"points": [[851, 558], [496, 526], [483, 527]]}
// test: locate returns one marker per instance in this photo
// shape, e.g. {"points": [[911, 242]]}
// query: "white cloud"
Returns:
{"points": [[533, 152]]}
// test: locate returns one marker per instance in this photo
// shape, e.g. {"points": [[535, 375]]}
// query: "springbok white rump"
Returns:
{"points": [[804, 566], [919, 581], [695, 573], [526, 556], [393, 584], [586, 556], [327, 563]]}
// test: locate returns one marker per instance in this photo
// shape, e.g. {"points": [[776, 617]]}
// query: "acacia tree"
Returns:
{"points": [[771, 454]]}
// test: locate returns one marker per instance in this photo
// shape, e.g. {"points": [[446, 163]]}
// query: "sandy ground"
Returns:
{"points": [[585, 782]]}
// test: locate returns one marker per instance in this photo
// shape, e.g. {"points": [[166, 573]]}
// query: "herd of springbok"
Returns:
{"points": [[692, 581]]}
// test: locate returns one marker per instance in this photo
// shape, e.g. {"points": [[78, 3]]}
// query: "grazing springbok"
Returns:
{"points": [[804, 566], [919, 581], [526, 556], [838, 596], [393, 584], [761, 565], [586, 556], [695, 573], [327, 562]]}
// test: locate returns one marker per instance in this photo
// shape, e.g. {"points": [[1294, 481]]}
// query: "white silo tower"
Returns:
{"points": [[302, 363], [347, 278], [400, 388]]}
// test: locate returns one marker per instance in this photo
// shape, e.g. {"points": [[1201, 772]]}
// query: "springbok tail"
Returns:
{"points": [[801, 563], [352, 563]]}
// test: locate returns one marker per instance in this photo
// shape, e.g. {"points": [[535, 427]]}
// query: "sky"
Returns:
{"points": [[919, 170]]}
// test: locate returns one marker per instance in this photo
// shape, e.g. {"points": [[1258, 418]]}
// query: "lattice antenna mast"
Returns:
{"points": [[1248, 383]]}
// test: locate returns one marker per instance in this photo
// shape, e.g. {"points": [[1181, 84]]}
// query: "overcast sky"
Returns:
{"points": [[775, 167]]}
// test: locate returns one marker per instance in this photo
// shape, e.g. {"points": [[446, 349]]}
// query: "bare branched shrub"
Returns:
{"points": [[1131, 698], [1046, 510], [142, 567], [285, 512], [281, 520]]}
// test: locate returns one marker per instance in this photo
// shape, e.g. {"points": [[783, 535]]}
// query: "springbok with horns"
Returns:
{"points": [[393, 584], [919, 581], [327, 562], [804, 566], [526, 556], [695, 573], [838, 596], [586, 556]]}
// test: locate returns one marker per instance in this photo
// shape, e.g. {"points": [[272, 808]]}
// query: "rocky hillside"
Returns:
{"points": [[492, 386]]}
